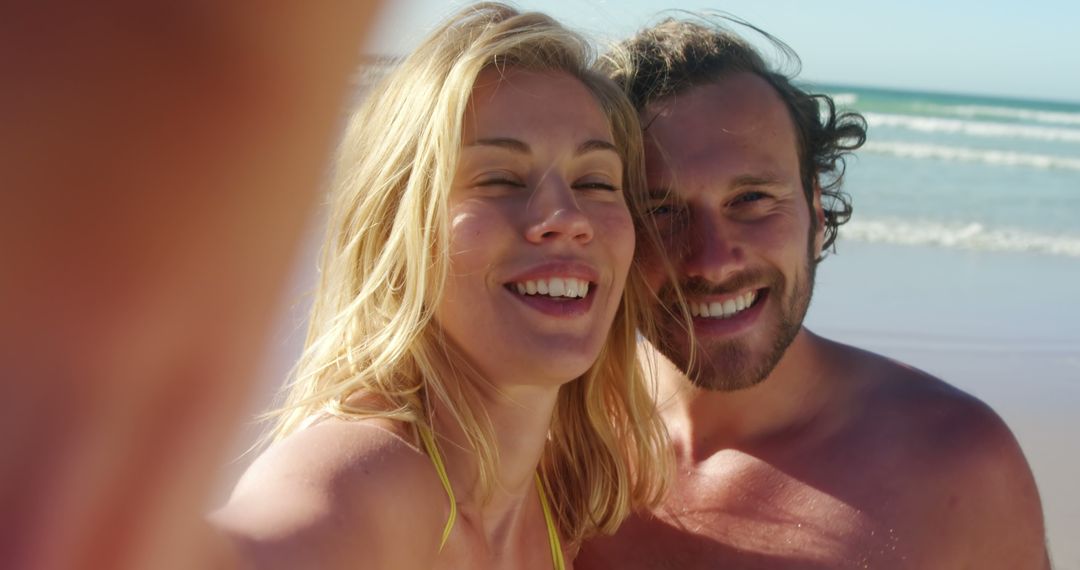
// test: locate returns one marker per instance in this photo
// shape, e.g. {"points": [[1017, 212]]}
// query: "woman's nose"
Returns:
{"points": [[554, 214]]}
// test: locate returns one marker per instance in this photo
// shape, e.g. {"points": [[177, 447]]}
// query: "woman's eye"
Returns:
{"points": [[501, 181], [596, 185]]}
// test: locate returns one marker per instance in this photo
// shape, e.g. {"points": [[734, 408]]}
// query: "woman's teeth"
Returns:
{"points": [[554, 287], [723, 310]]}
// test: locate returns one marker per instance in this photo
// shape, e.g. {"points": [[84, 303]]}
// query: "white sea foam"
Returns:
{"points": [[973, 128], [845, 99], [972, 236], [964, 154], [1034, 115]]}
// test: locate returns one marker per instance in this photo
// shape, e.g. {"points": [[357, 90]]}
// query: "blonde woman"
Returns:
{"points": [[468, 396]]}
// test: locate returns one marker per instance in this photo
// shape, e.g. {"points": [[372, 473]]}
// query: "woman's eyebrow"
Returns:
{"points": [[520, 147], [512, 145], [593, 145]]}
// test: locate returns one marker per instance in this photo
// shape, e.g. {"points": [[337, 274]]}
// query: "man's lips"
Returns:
{"points": [[719, 314], [722, 306], [737, 322]]}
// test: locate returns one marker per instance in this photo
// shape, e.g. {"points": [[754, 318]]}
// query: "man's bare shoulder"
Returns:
{"points": [[961, 464], [913, 405], [901, 470], [914, 412], [336, 491]]}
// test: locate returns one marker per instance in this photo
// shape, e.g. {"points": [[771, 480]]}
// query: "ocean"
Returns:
{"points": [[962, 259], [965, 172]]}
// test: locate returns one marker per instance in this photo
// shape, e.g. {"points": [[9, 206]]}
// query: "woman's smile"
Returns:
{"points": [[556, 289], [541, 238]]}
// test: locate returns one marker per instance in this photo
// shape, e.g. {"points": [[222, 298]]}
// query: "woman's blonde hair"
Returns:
{"points": [[385, 262]]}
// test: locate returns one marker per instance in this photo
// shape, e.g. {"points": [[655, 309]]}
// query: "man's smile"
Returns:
{"points": [[722, 308]]}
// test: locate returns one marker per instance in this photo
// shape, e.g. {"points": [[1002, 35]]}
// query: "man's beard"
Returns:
{"points": [[734, 364]]}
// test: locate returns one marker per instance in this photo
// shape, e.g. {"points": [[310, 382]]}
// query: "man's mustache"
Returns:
{"points": [[699, 287]]}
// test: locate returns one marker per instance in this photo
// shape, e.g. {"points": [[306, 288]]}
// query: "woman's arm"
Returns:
{"points": [[158, 162]]}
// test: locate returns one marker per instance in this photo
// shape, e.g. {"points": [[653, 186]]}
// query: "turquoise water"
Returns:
{"points": [[964, 171]]}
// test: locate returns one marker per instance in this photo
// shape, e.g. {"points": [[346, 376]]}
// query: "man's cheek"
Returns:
{"points": [[656, 277]]}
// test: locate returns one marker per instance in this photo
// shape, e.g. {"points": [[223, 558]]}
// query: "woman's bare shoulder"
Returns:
{"points": [[337, 492]]}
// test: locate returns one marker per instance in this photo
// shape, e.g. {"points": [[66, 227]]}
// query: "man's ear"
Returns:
{"points": [[819, 215]]}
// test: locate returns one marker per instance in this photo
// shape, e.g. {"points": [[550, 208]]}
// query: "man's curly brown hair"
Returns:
{"points": [[677, 55]]}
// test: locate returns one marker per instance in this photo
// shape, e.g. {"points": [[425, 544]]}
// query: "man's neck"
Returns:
{"points": [[702, 422]]}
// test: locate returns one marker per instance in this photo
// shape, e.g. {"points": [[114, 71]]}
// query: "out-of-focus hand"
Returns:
{"points": [[157, 165]]}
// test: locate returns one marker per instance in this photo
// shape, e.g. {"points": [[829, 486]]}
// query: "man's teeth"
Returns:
{"points": [[554, 287], [723, 310]]}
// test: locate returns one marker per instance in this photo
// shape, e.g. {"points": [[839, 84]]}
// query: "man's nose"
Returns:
{"points": [[554, 214], [714, 251]]}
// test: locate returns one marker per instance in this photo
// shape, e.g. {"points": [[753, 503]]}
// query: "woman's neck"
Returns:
{"points": [[520, 418]]}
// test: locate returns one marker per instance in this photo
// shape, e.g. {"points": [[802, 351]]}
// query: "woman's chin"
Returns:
{"points": [[553, 366]]}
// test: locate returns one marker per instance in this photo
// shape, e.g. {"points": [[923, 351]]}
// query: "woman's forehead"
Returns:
{"points": [[515, 103]]}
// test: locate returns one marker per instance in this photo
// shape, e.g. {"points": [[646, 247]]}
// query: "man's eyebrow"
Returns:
{"points": [[665, 193], [755, 180], [661, 194]]}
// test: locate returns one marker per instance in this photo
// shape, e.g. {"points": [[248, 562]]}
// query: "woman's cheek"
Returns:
{"points": [[470, 225]]}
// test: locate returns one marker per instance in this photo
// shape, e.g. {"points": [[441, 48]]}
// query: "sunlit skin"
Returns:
{"points": [[793, 451], [730, 204], [537, 195]]}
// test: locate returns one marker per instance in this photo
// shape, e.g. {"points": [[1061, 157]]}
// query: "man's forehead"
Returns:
{"points": [[738, 104], [729, 132]]}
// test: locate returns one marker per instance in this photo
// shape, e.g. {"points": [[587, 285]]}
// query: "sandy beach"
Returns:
{"points": [[1004, 327]]}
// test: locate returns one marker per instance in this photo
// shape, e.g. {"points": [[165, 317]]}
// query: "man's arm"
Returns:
{"points": [[971, 500], [158, 162], [993, 504]]}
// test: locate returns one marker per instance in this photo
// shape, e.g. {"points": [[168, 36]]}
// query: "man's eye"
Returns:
{"points": [[748, 197]]}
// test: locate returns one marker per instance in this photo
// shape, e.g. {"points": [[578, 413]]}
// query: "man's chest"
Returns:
{"points": [[764, 518]]}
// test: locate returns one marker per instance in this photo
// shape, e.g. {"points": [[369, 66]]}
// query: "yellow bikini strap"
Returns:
{"points": [[433, 452], [553, 533]]}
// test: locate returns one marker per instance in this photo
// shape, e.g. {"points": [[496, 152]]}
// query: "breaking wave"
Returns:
{"points": [[972, 236], [1013, 113], [845, 99], [965, 154], [973, 128]]}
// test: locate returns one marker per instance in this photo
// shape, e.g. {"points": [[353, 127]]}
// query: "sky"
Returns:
{"points": [[1014, 49]]}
